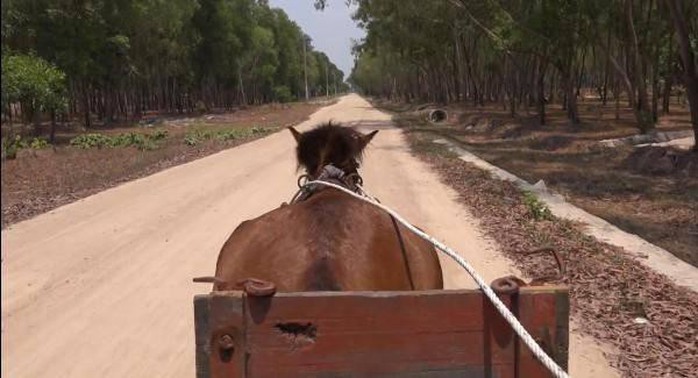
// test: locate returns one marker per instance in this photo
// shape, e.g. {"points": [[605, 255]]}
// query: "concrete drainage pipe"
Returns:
{"points": [[437, 115]]}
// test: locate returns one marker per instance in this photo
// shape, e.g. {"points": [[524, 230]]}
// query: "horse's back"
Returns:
{"points": [[329, 242]]}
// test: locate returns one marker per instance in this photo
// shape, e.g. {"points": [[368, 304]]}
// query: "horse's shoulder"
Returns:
{"points": [[272, 216]]}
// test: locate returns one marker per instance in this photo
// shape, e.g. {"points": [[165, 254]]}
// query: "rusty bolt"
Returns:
{"points": [[507, 285], [257, 288], [226, 342]]}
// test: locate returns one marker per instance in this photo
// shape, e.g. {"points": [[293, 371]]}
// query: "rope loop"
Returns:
{"points": [[303, 181]]}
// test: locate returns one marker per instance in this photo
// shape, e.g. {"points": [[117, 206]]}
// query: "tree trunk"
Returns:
{"points": [[604, 96], [689, 63], [86, 105], [36, 120], [242, 87], [668, 81], [572, 111], [569, 81], [655, 89], [616, 92], [541, 91], [642, 112], [52, 137], [580, 75], [666, 96]]}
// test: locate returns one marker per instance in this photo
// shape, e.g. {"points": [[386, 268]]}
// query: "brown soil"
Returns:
{"points": [[651, 191], [661, 161], [608, 289], [38, 181]]}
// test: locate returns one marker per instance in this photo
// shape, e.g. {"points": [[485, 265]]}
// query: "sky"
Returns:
{"points": [[331, 30]]}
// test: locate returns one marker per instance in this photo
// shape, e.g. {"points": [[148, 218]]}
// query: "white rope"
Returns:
{"points": [[543, 357]]}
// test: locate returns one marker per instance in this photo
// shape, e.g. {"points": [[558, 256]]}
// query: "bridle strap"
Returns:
{"points": [[329, 173]]}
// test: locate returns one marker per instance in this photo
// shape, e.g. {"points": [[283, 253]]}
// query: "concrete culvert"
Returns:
{"points": [[438, 115]]}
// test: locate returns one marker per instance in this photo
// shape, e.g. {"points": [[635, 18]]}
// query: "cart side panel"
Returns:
{"points": [[220, 335], [546, 317], [406, 333], [202, 335], [388, 334]]}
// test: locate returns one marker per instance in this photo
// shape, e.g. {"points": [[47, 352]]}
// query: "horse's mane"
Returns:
{"points": [[328, 144]]}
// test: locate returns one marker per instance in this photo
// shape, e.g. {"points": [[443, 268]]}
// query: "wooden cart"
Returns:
{"points": [[360, 334]]}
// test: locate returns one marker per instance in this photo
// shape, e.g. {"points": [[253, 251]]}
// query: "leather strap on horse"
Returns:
{"points": [[405, 259], [329, 173]]}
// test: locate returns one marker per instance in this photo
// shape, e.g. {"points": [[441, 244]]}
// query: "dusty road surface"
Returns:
{"points": [[102, 287]]}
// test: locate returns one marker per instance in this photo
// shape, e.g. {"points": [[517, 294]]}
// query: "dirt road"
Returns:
{"points": [[102, 287]]}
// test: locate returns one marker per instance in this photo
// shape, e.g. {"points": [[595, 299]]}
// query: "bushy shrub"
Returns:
{"points": [[140, 141], [191, 140], [91, 140], [39, 143], [260, 130], [10, 146], [33, 82], [200, 107], [283, 94], [159, 134], [194, 137], [538, 209]]}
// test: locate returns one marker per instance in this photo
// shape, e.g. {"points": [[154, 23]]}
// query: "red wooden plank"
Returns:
{"points": [[499, 337], [227, 320], [546, 317], [202, 335], [377, 334]]}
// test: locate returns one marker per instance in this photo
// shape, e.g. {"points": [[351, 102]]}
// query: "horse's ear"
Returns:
{"points": [[365, 139], [296, 134]]}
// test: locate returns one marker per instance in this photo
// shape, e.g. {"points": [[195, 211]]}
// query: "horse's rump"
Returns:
{"points": [[329, 242]]}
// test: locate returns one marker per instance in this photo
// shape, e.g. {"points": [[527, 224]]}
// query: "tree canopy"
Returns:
{"points": [[530, 52], [31, 81], [123, 58]]}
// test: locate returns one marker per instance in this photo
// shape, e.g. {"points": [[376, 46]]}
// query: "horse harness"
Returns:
{"points": [[329, 173]]}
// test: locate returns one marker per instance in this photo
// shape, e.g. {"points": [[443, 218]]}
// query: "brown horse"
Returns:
{"points": [[328, 240]]}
